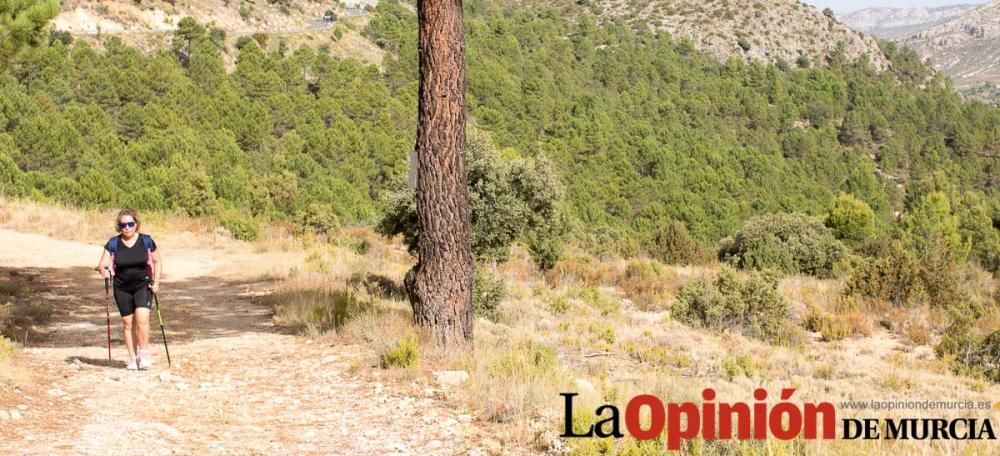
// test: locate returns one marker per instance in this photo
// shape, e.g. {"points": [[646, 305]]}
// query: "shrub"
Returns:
{"points": [[851, 219], [900, 278], [603, 334], [752, 306], [243, 41], [60, 36], [404, 354], [545, 243], [488, 290], [599, 301], [671, 244], [739, 366], [318, 218], [242, 227], [218, 37], [508, 199], [831, 327], [932, 227], [559, 305], [789, 243], [647, 283], [984, 357]]}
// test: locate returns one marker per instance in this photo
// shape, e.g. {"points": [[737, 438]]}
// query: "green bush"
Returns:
{"points": [[242, 227], [851, 219], [404, 354], [559, 305], [600, 302], [739, 366], [752, 306], [509, 198], [985, 357], [789, 243], [671, 244], [318, 218], [932, 226], [488, 290], [973, 355], [893, 277], [901, 278]]}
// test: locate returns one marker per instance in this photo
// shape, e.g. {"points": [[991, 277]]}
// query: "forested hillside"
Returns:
{"points": [[643, 129]]}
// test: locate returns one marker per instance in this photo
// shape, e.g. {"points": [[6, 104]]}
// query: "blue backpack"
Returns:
{"points": [[146, 240]]}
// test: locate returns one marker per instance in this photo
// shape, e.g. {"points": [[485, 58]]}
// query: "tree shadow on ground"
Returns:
{"points": [[115, 364], [192, 309]]}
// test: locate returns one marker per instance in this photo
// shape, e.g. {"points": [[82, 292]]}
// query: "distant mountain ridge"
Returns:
{"points": [[764, 30], [893, 23], [967, 47]]}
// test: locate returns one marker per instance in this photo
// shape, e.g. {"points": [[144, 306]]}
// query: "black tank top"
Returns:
{"points": [[131, 265]]}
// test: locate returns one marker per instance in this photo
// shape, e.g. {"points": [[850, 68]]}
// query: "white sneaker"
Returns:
{"points": [[145, 360], [131, 365]]}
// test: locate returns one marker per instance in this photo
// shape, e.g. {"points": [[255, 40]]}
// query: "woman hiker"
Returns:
{"points": [[136, 264]]}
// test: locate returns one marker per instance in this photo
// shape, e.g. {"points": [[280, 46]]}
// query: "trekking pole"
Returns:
{"points": [[162, 332], [107, 308]]}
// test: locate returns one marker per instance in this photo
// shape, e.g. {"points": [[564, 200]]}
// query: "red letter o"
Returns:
{"points": [[656, 412]]}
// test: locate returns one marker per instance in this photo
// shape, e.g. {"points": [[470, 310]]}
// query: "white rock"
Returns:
{"points": [[310, 435], [181, 386], [22, 407], [165, 377], [4, 416], [378, 388], [584, 384], [55, 392], [15, 414], [435, 444], [329, 359], [428, 392], [465, 418], [451, 378]]}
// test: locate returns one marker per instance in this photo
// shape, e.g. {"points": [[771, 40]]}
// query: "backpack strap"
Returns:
{"points": [[113, 249], [148, 242]]}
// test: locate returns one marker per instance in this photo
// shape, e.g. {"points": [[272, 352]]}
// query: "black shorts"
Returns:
{"points": [[129, 300]]}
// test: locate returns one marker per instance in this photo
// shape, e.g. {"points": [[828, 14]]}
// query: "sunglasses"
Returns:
{"points": [[126, 225]]}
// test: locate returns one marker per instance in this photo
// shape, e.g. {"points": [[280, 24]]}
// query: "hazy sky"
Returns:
{"points": [[846, 6]]}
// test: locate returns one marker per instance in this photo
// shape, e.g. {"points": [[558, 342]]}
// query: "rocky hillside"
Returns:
{"points": [[148, 24], [769, 30], [893, 23], [967, 47]]}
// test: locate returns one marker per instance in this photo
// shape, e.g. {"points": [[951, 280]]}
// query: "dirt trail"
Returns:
{"points": [[238, 385]]}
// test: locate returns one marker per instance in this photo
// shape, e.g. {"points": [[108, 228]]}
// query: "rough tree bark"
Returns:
{"points": [[440, 285]]}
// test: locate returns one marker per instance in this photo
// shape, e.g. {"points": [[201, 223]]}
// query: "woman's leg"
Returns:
{"points": [[142, 327], [126, 308], [127, 325]]}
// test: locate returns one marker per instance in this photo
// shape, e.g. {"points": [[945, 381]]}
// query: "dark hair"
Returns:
{"points": [[131, 212]]}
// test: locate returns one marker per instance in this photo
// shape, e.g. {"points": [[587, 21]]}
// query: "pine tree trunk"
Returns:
{"points": [[440, 285]]}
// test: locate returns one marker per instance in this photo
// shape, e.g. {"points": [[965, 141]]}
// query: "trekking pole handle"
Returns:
{"points": [[107, 279]]}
